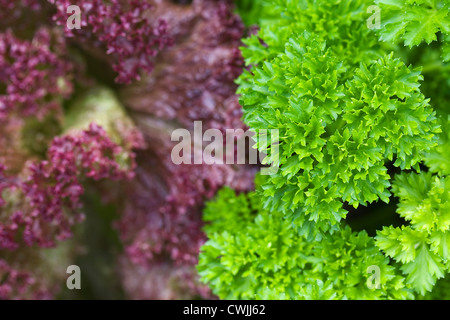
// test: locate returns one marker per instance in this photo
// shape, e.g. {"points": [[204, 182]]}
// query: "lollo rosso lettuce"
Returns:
{"points": [[86, 116]]}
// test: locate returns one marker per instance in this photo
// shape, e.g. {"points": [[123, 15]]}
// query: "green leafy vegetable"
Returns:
{"points": [[360, 121]]}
